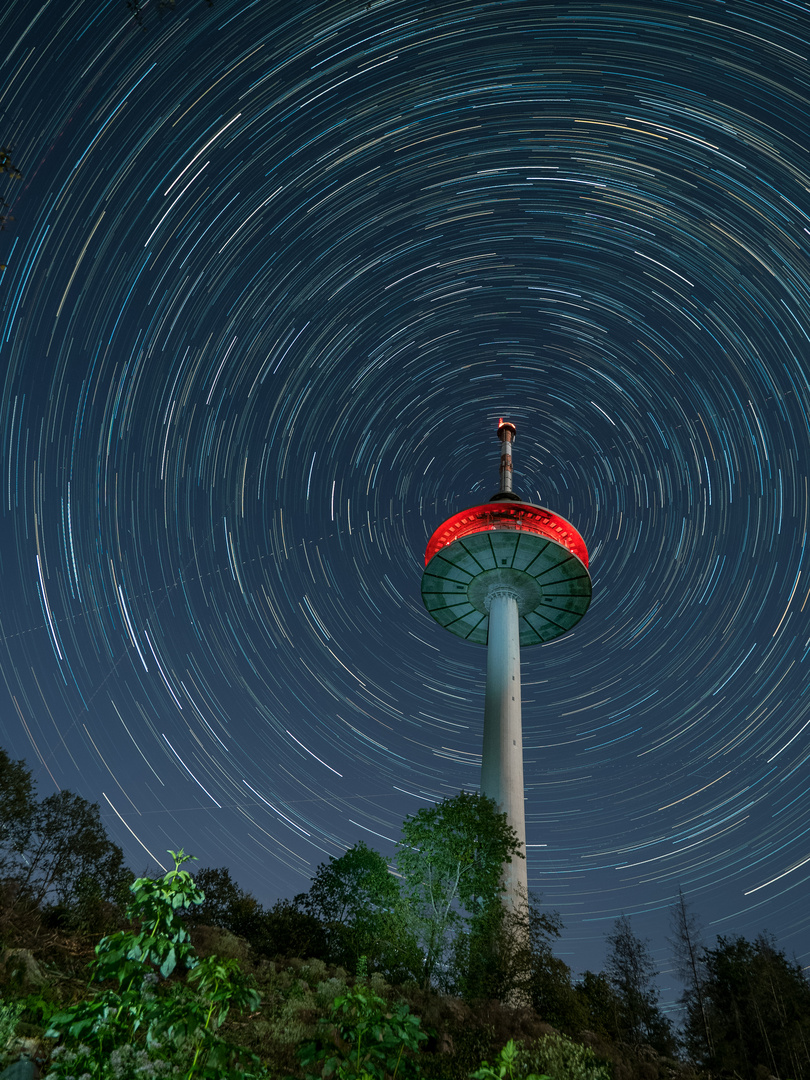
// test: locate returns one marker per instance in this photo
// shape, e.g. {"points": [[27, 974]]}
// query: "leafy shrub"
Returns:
{"points": [[9, 1017], [178, 1021], [329, 989], [126, 1062], [461, 1048], [505, 1067], [313, 971], [563, 1059], [295, 1019], [364, 1039]]}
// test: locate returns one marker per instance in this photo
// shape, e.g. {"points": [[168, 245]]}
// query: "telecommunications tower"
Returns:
{"points": [[506, 574]]}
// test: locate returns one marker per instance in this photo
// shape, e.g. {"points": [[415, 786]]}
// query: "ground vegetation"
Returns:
{"points": [[187, 974]]}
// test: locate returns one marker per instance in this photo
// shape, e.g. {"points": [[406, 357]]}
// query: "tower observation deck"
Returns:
{"points": [[506, 574]]}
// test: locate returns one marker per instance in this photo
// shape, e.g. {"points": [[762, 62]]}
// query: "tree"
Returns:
{"points": [[56, 852], [286, 929], [631, 972], [553, 995], [451, 858], [758, 1007], [505, 955], [6, 166], [688, 949], [68, 845], [600, 1003], [17, 805], [357, 900], [489, 960], [226, 904]]}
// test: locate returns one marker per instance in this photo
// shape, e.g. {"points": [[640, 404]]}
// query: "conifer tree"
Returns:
{"points": [[688, 951], [758, 1007]]}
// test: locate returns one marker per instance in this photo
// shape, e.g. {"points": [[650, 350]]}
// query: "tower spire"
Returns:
{"points": [[506, 433]]}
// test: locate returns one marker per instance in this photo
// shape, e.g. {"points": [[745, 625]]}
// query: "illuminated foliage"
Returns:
{"points": [[451, 858]]}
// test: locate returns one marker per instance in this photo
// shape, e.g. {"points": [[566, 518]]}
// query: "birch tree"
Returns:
{"points": [[451, 859]]}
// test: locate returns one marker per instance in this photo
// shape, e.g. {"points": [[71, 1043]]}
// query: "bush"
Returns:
{"points": [[9, 1018], [505, 1067], [364, 1039], [563, 1059]]}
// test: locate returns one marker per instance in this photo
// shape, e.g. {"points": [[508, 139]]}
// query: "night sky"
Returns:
{"points": [[275, 271]]}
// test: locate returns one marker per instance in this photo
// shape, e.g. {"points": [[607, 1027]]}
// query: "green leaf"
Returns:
{"points": [[169, 964]]}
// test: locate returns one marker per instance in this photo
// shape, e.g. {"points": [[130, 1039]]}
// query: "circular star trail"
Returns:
{"points": [[273, 275]]}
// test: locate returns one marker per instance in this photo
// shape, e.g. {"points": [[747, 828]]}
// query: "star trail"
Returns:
{"points": [[273, 274]]}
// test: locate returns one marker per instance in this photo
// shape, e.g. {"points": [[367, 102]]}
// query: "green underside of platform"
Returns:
{"points": [[552, 585]]}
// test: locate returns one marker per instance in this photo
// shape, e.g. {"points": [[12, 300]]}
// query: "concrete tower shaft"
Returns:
{"points": [[502, 752]]}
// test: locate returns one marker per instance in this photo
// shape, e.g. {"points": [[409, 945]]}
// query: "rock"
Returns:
{"points": [[24, 1069], [21, 969]]}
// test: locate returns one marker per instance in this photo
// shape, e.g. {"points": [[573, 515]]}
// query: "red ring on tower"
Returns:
{"points": [[510, 515]]}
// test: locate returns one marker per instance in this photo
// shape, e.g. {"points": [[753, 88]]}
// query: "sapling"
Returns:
{"points": [[153, 1010]]}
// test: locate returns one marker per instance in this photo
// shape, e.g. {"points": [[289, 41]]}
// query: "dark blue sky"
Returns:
{"points": [[274, 273]]}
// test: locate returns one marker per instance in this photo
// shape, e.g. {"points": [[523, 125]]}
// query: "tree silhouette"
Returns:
{"points": [[631, 972], [758, 1007], [55, 853], [8, 167], [688, 951]]}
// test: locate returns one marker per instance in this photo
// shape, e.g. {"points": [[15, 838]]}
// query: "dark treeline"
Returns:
{"points": [[55, 855], [438, 924]]}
